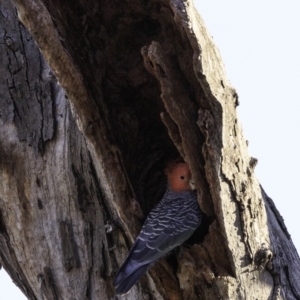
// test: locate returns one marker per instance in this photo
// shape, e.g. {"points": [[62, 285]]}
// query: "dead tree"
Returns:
{"points": [[83, 147]]}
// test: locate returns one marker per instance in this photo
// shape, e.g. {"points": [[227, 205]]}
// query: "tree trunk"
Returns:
{"points": [[139, 83]]}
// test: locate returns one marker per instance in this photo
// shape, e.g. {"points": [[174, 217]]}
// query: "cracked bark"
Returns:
{"points": [[139, 82]]}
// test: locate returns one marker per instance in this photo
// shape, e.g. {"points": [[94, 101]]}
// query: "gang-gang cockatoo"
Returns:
{"points": [[171, 222]]}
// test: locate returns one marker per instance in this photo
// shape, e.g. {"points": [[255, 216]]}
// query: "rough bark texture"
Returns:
{"points": [[144, 83]]}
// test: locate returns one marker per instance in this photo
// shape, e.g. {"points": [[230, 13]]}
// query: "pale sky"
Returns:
{"points": [[260, 45]]}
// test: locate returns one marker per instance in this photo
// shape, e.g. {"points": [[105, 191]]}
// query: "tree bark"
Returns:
{"points": [[84, 142]]}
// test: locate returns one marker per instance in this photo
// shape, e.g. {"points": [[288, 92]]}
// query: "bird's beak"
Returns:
{"points": [[192, 184]]}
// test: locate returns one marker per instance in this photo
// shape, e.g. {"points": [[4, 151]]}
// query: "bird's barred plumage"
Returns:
{"points": [[169, 224]]}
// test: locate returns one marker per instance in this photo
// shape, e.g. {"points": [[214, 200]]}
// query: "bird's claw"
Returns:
{"points": [[108, 227]]}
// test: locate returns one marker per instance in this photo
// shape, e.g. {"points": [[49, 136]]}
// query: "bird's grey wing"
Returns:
{"points": [[165, 228], [168, 225]]}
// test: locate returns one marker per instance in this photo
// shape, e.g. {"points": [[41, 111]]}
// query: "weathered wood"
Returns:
{"points": [[139, 83]]}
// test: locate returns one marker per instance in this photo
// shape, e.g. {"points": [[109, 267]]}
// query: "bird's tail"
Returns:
{"points": [[125, 279]]}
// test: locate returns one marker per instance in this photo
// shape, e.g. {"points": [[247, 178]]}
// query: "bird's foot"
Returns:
{"points": [[109, 227]]}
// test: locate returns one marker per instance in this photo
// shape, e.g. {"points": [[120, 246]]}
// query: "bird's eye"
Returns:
{"points": [[182, 177]]}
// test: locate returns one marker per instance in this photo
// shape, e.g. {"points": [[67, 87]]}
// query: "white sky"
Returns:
{"points": [[260, 45]]}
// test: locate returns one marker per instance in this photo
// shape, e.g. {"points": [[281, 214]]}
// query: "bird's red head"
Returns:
{"points": [[179, 176]]}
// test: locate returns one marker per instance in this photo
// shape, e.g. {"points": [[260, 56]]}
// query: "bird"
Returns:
{"points": [[170, 223]]}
